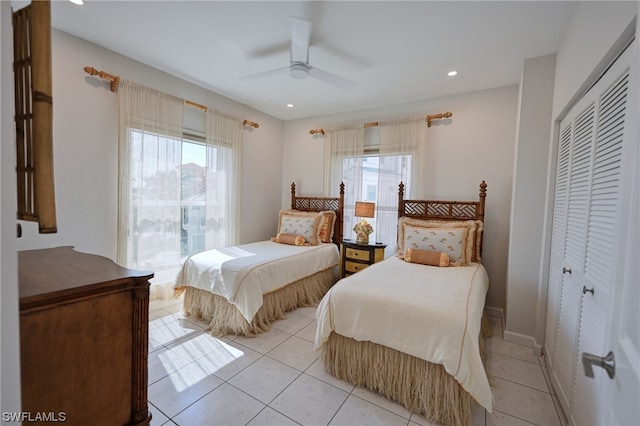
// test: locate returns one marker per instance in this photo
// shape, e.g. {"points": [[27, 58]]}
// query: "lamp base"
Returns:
{"points": [[363, 240], [362, 230]]}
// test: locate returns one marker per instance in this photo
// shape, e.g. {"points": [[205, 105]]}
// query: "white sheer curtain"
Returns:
{"points": [[224, 146], [150, 156], [402, 154], [344, 152]]}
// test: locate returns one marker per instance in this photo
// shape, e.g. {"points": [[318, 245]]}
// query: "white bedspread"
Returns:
{"points": [[242, 274], [429, 312]]}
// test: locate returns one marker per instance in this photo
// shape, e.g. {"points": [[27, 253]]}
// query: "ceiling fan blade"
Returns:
{"points": [[300, 36], [276, 49], [264, 74], [332, 79]]}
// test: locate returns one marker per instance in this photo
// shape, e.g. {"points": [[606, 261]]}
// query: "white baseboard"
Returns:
{"points": [[510, 336], [523, 339], [494, 312]]}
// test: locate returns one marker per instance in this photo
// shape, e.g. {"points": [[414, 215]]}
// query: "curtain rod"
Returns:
{"points": [[115, 80], [428, 118]]}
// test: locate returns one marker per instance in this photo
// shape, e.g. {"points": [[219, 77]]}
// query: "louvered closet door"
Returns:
{"points": [[601, 240], [584, 249], [557, 242], [580, 129]]}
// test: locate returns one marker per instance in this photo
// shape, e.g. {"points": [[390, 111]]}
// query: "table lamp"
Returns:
{"points": [[363, 228]]}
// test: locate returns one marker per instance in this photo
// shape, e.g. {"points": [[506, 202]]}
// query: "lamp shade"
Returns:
{"points": [[364, 209]]}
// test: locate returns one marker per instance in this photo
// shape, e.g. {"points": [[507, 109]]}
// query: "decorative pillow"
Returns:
{"points": [[472, 245], [477, 257], [427, 257], [291, 239], [306, 224], [326, 226], [452, 241]]}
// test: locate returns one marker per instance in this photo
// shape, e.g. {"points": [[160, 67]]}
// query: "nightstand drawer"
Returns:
{"points": [[355, 257], [364, 255], [352, 267]]}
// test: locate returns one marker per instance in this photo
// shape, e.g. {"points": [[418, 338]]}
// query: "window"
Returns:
{"points": [[193, 195], [178, 188], [372, 162], [376, 171]]}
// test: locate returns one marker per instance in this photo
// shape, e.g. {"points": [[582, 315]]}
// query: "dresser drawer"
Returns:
{"points": [[364, 255], [352, 267]]}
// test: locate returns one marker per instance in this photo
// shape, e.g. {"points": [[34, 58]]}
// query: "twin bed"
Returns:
{"points": [[407, 327], [412, 331], [243, 289]]}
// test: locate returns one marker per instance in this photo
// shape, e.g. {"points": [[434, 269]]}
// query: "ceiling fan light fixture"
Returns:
{"points": [[298, 70]]}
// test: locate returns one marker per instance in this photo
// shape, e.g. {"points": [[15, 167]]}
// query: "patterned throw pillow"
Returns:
{"points": [[326, 226], [306, 224], [452, 241], [474, 236]]}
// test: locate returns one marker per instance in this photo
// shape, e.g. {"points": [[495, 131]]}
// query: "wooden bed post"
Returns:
{"points": [[340, 212], [400, 200], [318, 204], [483, 195]]}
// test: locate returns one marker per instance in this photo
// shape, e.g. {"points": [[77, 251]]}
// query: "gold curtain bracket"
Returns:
{"points": [[316, 131], [250, 124], [113, 79], [438, 117]]}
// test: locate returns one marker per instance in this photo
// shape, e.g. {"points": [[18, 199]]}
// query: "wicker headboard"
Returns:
{"points": [[317, 204], [443, 210]]}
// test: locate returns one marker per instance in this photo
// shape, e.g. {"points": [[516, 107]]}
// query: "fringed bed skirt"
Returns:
{"points": [[224, 318], [420, 386]]}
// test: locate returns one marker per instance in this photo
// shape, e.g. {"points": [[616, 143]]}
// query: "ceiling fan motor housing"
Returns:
{"points": [[298, 70]]}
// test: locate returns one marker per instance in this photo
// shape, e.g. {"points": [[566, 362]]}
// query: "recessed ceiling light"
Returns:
{"points": [[78, 2], [289, 105], [452, 73]]}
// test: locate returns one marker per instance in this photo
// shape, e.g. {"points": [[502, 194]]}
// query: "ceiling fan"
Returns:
{"points": [[299, 59]]}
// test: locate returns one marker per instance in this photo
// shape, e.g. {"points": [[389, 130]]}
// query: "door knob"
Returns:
{"points": [[608, 363]]}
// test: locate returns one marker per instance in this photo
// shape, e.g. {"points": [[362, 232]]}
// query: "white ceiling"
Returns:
{"points": [[394, 51]]}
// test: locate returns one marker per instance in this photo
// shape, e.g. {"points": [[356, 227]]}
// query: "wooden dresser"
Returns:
{"points": [[84, 332], [355, 256]]}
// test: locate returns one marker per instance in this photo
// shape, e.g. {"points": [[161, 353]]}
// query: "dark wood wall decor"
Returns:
{"points": [[34, 115]]}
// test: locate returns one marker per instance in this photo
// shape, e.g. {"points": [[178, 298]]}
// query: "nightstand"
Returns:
{"points": [[355, 256]]}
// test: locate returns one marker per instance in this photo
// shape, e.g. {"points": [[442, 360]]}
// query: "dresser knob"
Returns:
{"points": [[566, 271], [586, 290]]}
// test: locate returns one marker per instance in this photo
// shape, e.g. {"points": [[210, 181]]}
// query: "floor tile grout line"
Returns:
{"points": [[159, 409], [521, 384], [513, 357], [519, 418], [379, 406]]}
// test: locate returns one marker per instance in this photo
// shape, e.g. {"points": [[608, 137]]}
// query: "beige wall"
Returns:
{"points": [[476, 144], [85, 123], [524, 296]]}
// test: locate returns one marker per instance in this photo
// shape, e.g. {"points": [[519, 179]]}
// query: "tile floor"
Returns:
{"points": [[277, 379]]}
